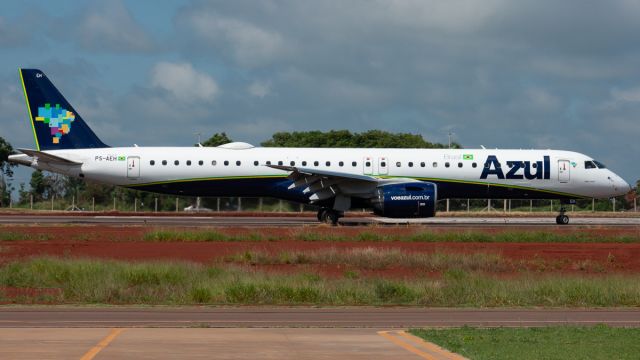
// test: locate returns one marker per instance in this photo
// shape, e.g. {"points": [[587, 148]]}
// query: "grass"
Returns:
{"points": [[175, 283], [199, 236], [375, 259], [561, 342], [368, 236], [18, 236]]}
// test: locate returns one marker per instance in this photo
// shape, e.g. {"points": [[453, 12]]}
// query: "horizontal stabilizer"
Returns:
{"points": [[48, 158]]}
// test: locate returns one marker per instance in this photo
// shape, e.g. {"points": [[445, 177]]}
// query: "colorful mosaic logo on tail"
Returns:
{"points": [[58, 118]]}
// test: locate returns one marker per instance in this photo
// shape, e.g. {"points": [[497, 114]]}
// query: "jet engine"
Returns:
{"points": [[406, 200]]}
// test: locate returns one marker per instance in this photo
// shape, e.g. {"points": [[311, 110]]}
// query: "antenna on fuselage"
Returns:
{"points": [[482, 146], [198, 135]]}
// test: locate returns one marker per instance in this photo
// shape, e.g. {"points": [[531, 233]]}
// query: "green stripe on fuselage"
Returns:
{"points": [[569, 195]]}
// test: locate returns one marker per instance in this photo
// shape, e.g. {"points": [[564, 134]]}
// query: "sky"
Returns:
{"points": [[498, 73]]}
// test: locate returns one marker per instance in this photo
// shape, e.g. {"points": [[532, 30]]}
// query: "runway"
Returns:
{"points": [[299, 221], [262, 317]]}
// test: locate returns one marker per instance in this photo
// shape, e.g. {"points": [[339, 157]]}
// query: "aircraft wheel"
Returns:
{"points": [[329, 216], [562, 220], [332, 218], [322, 213]]}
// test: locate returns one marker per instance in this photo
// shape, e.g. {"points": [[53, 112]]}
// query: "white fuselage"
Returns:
{"points": [[553, 172]]}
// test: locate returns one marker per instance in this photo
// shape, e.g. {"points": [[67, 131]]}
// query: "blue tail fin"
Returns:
{"points": [[56, 124]]}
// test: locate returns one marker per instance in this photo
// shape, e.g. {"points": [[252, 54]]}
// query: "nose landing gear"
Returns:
{"points": [[562, 219], [329, 216]]}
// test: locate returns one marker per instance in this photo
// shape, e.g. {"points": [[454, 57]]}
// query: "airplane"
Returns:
{"points": [[396, 183]]}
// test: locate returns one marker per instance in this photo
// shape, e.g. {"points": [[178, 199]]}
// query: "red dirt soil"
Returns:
{"points": [[126, 243]]}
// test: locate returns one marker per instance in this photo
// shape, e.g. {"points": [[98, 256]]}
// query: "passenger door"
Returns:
{"points": [[564, 171], [133, 167]]}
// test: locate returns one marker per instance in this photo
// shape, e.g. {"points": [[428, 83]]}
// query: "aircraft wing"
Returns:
{"points": [[41, 156], [325, 184]]}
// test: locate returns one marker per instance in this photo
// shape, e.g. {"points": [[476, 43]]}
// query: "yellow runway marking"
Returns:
{"points": [[413, 344], [102, 344], [432, 347], [405, 346]]}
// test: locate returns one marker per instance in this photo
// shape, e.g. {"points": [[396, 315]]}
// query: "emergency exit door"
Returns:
{"points": [[367, 165], [383, 166], [133, 167], [564, 171]]}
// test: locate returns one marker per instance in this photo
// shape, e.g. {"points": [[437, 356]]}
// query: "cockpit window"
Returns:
{"points": [[599, 164], [589, 165]]}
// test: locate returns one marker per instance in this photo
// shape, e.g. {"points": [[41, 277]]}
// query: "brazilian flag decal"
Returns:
{"points": [[121, 158], [467, 157]]}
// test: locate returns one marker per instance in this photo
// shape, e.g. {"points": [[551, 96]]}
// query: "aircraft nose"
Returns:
{"points": [[622, 185]]}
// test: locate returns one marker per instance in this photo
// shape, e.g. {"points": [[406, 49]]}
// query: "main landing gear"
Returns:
{"points": [[329, 216], [562, 219]]}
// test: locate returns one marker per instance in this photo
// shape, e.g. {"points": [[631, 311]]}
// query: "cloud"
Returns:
{"points": [[628, 95], [259, 89], [12, 33], [106, 26], [184, 82], [249, 44]]}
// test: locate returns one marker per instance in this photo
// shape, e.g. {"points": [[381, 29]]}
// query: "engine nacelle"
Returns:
{"points": [[407, 200]]}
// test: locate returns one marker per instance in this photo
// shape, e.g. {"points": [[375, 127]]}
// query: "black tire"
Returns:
{"points": [[321, 214], [562, 220], [324, 216], [332, 218]]}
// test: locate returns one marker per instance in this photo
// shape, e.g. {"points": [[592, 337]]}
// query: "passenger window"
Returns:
{"points": [[354, 164], [280, 163], [214, 163], [315, 163], [328, 163], [459, 164], [410, 164], [422, 164], [341, 163], [152, 162], [534, 165], [226, 163], [200, 162], [474, 165], [255, 163], [435, 164], [383, 164], [188, 162], [398, 164], [367, 164], [304, 163], [238, 163], [176, 162], [446, 164], [268, 162], [292, 163]]}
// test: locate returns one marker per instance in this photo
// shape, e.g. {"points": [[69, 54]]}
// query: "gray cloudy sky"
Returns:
{"points": [[507, 74]]}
